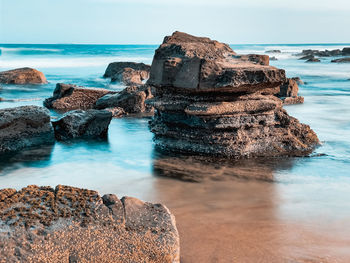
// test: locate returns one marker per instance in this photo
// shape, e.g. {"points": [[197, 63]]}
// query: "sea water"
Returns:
{"points": [[310, 191]]}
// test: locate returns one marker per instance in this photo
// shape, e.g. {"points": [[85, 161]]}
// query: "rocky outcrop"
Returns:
{"points": [[129, 73], [22, 76], [131, 100], [311, 53], [273, 59], [24, 127], [298, 80], [71, 97], [67, 224], [82, 124], [289, 92], [346, 51], [273, 51], [341, 60], [313, 60], [211, 102]]}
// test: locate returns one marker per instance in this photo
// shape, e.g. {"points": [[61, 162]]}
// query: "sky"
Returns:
{"points": [[148, 21]]}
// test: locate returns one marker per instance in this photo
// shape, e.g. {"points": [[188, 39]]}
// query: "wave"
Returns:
{"points": [[67, 62], [25, 49]]}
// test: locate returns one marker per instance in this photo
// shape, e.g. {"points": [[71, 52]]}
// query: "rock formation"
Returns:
{"points": [[22, 76], [82, 124], [24, 127], [313, 60], [71, 97], [131, 100], [289, 92], [273, 51], [341, 60], [129, 73], [210, 101], [67, 224]]}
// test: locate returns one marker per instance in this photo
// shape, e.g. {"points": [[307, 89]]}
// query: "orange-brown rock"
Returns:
{"points": [[71, 97], [211, 101], [129, 73], [22, 76], [68, 224]]}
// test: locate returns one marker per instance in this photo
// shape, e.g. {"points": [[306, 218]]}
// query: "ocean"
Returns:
{"points": [[308, 199]]}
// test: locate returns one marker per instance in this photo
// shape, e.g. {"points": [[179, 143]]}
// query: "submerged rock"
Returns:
{"points": [[211, 102], [131, 100], [341, 60], [22, 76], [68, 224], [313, 60], [24, 127], [70, 97], [129, 73], [82, 124]]}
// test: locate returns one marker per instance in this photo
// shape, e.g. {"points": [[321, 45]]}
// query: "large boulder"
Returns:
{"points": [[211, 101], [68, 224], [71, 97], [24, 127], [82, 124], [346, 51], [22, 76], [131, 100], [129, 73]]}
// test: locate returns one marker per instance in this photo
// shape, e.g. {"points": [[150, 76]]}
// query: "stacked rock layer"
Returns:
{"points": [[209, 100]]}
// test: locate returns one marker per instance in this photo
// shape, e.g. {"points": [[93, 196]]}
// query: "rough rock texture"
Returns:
{"points": [[289, 92], [210, 102], [313, 60], [22, 76], [71, 97], [131, 100], [341, 60], [298, 80], [67, 224], [24, 127], [82, 124], [130, 73]]}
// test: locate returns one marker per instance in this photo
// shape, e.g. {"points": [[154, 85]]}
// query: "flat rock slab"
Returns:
{"points": [[24, 127], [67, 224], [82, 124], [22, 76], [71, 97]]}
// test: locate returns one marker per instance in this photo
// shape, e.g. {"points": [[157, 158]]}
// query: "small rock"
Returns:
{"points": [[341, 60], [298, 80], [273, 51], [22, 76], [313, 60], [273, 58], [82, 124], [129, 73]]}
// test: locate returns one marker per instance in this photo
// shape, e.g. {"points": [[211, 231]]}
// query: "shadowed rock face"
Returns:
{"points": [[22, 76], [289, 92], [129, 73], [82, 124], [67, 224], [71, 97], [24, 127], [211, 101]]}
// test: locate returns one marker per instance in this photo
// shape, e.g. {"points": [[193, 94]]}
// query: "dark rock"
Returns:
{"points": [[24, 127], [273, 51], [22, 76], [289, 89], [130, 73], [68, 224], [131, 100], [82, 124], [211, 101], [191, 64], [273, 59], [313, 60], [341, 60], [320, 53], [346, 51], [307, 57], [71, 97]]}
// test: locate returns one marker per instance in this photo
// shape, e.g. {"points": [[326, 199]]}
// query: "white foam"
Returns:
{"points": [[5, 49]]}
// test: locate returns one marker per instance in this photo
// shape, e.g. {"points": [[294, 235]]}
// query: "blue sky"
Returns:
{"points": [[148, 21]]}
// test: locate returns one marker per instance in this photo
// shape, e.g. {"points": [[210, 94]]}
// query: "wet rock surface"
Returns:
{"points": [[22, 76], [131, 100], [71, 97], [24, 127], [211, 102], [68, 224], [82, 124], [129, 73], [341, 60]]}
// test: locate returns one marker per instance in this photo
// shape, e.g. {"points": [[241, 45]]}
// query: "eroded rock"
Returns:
{"points": [[71, 97], [68, 224], [129, 73], [82, 124], [341, 60], [22, 76], [24, 127], [211, 101]]}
